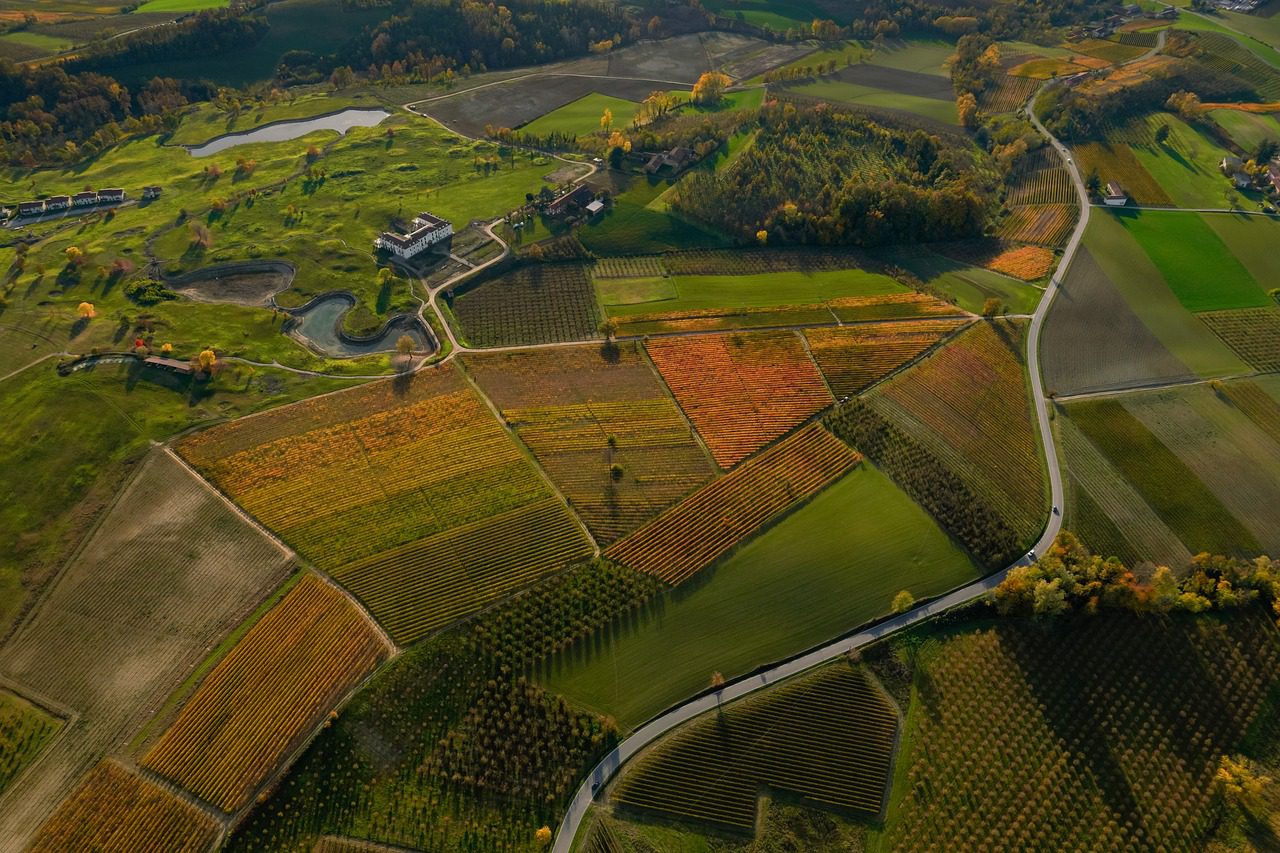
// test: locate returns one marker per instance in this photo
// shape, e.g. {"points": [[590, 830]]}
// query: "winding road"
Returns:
{"points": [[660, 725]]}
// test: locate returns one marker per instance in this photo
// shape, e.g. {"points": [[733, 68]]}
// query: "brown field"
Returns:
{"points": [[1273, 107], [168, 572], [115, 811], [855, 357], [1009, 93], [267, 694], [741, 390], [1028, 263], [696, 532], [1043, 224], [1041, 178], [1252, 333], [1256, 404], [1117, 163], [583, 410]]}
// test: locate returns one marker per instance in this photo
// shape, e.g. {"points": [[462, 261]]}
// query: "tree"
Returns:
{"points": [[405, 345], [1267, 151], [167, 349], [1162, 133], [606, 119], [1048, 599], [615, 472], [717, 680], [73, 254], [1093, 183], [86, 311], [762, 237], [992, 307], [609, 328], [710, 88], [207, 360], [967, 110], [903, 601], [543, 835], [1242, 786], [385, 275], [1185, 104]]}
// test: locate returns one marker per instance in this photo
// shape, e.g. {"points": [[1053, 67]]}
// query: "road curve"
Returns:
{"points": [[680, 714]]}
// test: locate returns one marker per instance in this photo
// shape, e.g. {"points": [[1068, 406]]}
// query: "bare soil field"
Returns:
{"points": [[169, 571], [1093, 340], [896, 80], [253, 285]]}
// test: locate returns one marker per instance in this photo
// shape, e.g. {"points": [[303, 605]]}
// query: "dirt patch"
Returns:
{"points": [[252, 284], [896, 80]]}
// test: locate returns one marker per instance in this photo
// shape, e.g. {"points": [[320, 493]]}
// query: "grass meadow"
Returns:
{"points": [[583, 116], [827, 568]]}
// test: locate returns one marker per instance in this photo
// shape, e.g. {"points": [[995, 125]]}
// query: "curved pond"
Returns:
{"points": [[319, 323], [280, 131]]}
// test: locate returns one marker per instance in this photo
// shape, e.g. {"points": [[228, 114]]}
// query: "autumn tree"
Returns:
{"points": [[609, 328], [606, 119], [73, 254], [710, 88], [762, 237], [967, 110], [405, 345], [543, 835], [1185, 104], [86, 311], [1242, 786], [903, 601]]}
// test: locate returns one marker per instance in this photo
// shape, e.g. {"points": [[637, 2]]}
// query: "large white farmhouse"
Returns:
{"points": [[424, 232]]}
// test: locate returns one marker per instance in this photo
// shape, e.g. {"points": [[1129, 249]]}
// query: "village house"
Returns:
{"points": [[424, 232], [171, 365], [82, 199], [30, 208], [568, 202], [1115, 197], [112, 196], [594, 207], [57, 202], [675, 159], [1273, 175], [1233, 167], [149, 193]]}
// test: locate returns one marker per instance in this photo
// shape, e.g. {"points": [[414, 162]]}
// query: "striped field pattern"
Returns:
{"points": [[854, 357], [828, 738]]}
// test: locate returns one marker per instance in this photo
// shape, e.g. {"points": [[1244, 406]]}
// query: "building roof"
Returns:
{"points": [[580, 195], [595, 206], [1114, 190], [167, 363]]}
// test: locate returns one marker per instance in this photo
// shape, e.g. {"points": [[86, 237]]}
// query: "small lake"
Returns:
{"points": [[318, 323], [281, 131]]}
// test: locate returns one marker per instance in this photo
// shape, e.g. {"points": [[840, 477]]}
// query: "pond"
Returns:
{"points": [[281, 131], [319, 323]]}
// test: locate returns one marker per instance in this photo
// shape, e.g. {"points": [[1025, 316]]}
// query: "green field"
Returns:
{"points": [[1144, 289], [927, 56], [1194, 261], [35, 43], [180, 6], [1249, 130], [1251, 240], [583, 116], [828, 568], [764, 290], [1186, 165], [852, 51], [24, 731], [780, 15], [633, 227], [852, 93], [204, 121], [967, 286]]}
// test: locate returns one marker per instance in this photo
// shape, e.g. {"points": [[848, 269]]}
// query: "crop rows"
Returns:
{"points": [[1041, 179], [115, 811], [633, 266], [1027, 263], [828, 738], [1115, 161], [533, 304], [1045, 224], [1223, 53], [970, 396], [24, 731], [1131, 130], [271, 689], [1257, 405], [1009, 93], [723, 319], [854, 357], [1139, 38], [891, 306], [741, 391], [1252, 333], [363, 473], [698, 530], [1103, 735], [1108, 51], [603, 428], [756, 261], [424, 585]]}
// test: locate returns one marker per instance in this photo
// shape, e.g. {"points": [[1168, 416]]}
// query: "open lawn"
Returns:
{"points": [[1141, 284], [822, 571], [1195, 262], [632, 227], [180, 6], [969, 287], [1247, 129], [1186, 164], [860, 94], [27, 45], [583, 116], [759, 290], [780, 15]]}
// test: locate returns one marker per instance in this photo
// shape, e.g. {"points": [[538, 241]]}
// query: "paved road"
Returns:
{"points": [[660, 725]]}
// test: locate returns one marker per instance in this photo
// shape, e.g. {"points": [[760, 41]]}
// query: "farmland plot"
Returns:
{"points": [[968, 402], [1252, 333], [169, 570], [1026, 263], [533, 304], [24, 730], [1094, 341], [741, 390], [1258, 406], [1043, 224], [409, 491], [271, 689], [583, 411], [827, 737], [1041, 178], [700, 529], [854, 357], [116, 811]]}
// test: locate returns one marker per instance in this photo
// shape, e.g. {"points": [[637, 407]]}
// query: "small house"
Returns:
{"points": [[1115, 196], [84, 199], [57, 202], [1273, 176], [172, 365], [112, 196], [1131, 10], [30, 208], [594, 207], [149, 193], [578, 197]]}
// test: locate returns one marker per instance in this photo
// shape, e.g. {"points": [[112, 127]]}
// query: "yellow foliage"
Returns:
{"points": [[762, 237], [86, 310], [543, 835], [207, 359]]}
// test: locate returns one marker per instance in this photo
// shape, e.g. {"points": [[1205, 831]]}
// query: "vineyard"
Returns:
{"points": [[1252, 333], [409, 491], [533, 304], [1043, 224], [854, 357], [968, 402], [1115, 161], [1041, 178], [274, 686], [1028, 263], [1116, 724], [955, 505], [729, 262], [892, 306], [1164, 481], [602, 427], [1223, 53], [828, 738], [1008, 94], [741, 391], [24, 731], [1110, 51], [374, 772], [1257, 405], [703, 527], [115, 811]]}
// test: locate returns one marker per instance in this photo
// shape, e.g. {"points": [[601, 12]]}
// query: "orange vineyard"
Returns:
{"points": [[854, 357], [114, 810], [698, 530], [266, 695], [741, 390]]}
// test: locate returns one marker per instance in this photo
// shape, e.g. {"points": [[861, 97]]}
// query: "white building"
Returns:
{"points": [[57, 202], [425, 231], [1115, 196]]}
